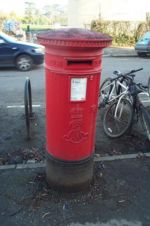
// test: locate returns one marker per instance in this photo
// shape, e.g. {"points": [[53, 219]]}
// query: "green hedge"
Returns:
{"points": [[124, 33]]}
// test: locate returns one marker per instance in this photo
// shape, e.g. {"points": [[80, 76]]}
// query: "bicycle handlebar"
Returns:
{"points": [[133, 71], [128, 73]]}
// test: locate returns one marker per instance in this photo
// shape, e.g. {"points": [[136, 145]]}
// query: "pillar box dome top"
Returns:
{"points": [[74, 37]]}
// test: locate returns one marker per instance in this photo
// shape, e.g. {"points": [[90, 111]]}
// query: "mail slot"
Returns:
{"points": [[79, 63], [73, 67]]}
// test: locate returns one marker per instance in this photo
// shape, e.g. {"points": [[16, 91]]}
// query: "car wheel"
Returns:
{"points": [[24, 62]]}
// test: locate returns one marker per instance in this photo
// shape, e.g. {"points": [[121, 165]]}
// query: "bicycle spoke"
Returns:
{"points": [[116, 125]]}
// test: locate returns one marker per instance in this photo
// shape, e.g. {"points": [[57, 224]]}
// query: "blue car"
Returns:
{"points": [[143, 45], [22, 55]]}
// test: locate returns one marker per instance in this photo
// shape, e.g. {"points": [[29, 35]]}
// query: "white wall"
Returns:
{"points": [[82, 12]]}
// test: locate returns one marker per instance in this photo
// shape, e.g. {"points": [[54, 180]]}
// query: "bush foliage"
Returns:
{"points": [[124, 33]]}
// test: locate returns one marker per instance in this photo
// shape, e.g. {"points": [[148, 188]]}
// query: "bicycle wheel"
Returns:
{"points": [[145, 120], [104, 92], [115, 125]]}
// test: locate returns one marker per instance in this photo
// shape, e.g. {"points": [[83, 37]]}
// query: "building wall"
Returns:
{"points": [[82, 12], [74, 19]]}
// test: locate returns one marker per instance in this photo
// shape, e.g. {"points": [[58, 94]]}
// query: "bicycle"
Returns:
{"points": [[120, 115], [112, 88]]}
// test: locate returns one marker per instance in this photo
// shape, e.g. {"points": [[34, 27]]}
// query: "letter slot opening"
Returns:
{"points": [[76, 62]]}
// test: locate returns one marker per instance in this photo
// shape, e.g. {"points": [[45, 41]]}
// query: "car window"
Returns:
{"points": [[2, 41], [7, 37]]}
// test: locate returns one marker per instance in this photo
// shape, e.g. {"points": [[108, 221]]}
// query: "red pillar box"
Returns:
{"points": [[73, 62]]}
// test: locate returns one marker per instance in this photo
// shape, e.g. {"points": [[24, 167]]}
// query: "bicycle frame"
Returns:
{"points": [[113, 84], [118, 103]]}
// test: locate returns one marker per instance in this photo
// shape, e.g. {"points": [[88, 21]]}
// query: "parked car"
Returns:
{"points": [[143, 45], [22, 55]]}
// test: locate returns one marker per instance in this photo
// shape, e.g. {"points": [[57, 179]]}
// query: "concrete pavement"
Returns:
{"points": [[120, 52]]}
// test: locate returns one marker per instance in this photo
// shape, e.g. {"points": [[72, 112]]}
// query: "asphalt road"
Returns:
{"points": [[12, 85], [12, 81]]}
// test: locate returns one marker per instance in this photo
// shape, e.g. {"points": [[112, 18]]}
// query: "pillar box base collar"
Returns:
{"points": [[69, 176]]}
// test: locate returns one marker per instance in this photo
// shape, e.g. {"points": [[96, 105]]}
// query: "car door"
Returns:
{"points": [[7, 52]]}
